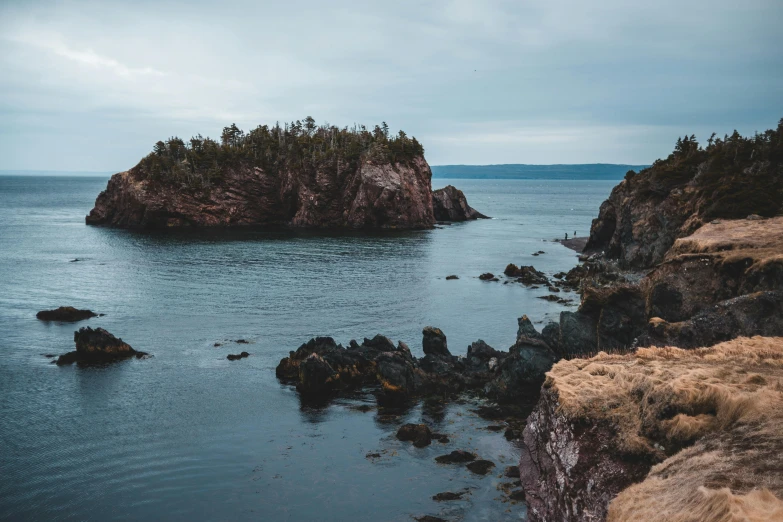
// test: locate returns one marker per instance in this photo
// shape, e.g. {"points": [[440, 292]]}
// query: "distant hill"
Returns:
{"points": [[592, 171]]}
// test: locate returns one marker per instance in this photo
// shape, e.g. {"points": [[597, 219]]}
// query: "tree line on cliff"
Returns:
{"points": [[738, 175], [301, 145]]}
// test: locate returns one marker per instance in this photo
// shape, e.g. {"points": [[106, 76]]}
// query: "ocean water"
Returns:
{"points": [[188, 435]]}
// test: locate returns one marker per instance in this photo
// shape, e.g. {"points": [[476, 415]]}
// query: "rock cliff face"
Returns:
{"points": [[696, 430], [373, 195], [450, 204], [648, 211]]}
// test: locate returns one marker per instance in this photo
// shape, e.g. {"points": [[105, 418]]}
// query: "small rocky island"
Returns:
{"points": [[97, 346], [299, 175]]}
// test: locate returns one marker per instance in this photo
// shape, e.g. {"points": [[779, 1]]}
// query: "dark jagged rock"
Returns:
{"points": [[98, 346], [450, 204], [316, 376], [451, 278], [430, 518], [434, 342], [481, 467], [419, 434], [527, 275], [66, 314], [523, 371], [237, 356], [760, 313], [397, 376], [488, 276], [456, 457]]}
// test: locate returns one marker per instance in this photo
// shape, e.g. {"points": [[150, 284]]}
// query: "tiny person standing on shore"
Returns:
{"points": [[566, 236]]}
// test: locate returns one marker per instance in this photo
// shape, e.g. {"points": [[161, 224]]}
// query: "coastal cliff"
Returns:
{"points": [[731, 178], [667, 400], [697, 429], [299, 175]]}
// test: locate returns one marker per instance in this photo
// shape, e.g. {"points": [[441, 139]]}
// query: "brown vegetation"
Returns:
{"points": [[712, 418]]}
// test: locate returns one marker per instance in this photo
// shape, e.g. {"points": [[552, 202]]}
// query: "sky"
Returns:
{"points": [[92, 85]]}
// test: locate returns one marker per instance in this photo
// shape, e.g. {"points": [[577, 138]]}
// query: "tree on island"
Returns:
{"points": [[300, 145]]}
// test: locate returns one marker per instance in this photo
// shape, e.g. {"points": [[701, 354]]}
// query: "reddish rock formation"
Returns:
{"points": [[374, 195], [450, 204]]}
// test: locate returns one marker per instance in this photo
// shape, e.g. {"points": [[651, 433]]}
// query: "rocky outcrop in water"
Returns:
{"points": [[97, 346], [450, 204], [65, 314], [321, 368]]}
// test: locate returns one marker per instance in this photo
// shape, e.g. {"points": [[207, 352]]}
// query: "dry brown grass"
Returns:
{"points": [[712, 418], [760, 240]]}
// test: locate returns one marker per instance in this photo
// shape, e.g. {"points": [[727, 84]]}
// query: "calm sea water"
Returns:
{"points": [[188, 435]]}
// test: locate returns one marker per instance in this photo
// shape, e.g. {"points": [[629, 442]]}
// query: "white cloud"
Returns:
{"points": [[124, 74]]}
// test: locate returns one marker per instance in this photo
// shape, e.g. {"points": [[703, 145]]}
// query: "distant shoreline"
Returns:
{"points": [[581, 171]]}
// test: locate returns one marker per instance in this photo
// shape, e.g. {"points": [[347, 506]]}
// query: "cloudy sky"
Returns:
{"points": [[92, 85]]}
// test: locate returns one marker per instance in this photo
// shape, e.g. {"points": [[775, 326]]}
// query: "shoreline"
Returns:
{"points": [[576, 244]]}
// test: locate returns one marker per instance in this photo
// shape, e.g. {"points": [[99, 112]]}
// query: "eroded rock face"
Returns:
{"points": [[371, 196], [570, 471], [95, 346], [450, 204], [647, 212], [760, 313], [702, 422]]}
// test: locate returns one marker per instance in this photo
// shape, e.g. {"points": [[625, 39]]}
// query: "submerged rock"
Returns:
{"points": [[456, 457], [98, 346], [448, 495], [66, 314], [237, 356]]}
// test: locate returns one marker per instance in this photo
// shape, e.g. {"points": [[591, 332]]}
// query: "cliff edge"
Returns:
{"points": [[698, 431], [731, 178]]}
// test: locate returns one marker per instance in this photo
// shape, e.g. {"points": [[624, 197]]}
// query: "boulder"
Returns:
{"points": [[419, 434], [526, 275], [237, 356], [450, 204], [434, 341], [316, 376]]}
